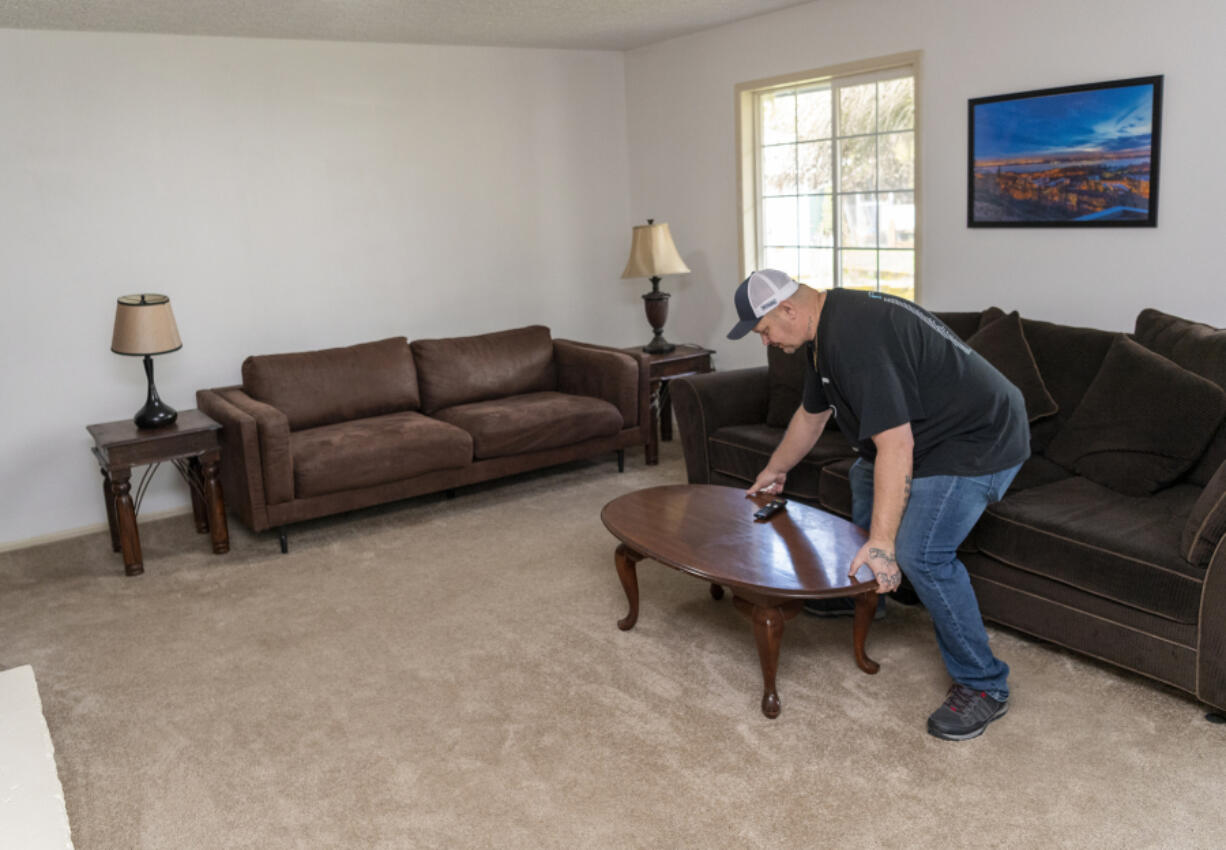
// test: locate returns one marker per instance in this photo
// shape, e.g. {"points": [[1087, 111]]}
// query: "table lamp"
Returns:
{"points": [[145, 326], [652, 253]]}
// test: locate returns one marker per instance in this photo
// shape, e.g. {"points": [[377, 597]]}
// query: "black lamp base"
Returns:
{"points": [[656, 304], [156, 413]]}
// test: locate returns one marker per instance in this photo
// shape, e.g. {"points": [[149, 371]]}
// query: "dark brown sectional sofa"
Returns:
{"points": [[321, 432], [1110, 541]]}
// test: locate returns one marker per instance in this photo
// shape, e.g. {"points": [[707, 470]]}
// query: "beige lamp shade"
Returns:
{"points": [[652, 253], [144, 324]]}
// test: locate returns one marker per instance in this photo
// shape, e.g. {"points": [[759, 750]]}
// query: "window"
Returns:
{"points": [[829, 178]]}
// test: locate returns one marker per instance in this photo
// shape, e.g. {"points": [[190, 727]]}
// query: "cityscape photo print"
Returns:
{"points": [[1075, 156]]}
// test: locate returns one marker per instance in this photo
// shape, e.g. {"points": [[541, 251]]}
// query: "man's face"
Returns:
{"points": [[780, 328]]}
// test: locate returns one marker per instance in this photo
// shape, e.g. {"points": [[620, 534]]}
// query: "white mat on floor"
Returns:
{"points": [[32, 813]]}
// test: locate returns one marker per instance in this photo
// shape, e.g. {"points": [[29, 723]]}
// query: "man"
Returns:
{"points": [[940, 434]]}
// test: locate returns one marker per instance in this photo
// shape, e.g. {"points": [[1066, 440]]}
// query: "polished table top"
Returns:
{"points": [[710, 532]]}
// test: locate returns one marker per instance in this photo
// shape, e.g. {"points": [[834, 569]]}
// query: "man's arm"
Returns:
{"points": [[798, 440], [891, 490]]}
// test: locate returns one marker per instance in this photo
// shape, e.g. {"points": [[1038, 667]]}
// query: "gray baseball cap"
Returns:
{"points": [[757, 295]]}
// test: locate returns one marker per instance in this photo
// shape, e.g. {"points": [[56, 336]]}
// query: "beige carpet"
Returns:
{"points": [[449, 674]]}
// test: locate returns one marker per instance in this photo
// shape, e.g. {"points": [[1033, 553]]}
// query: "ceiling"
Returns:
{"points": [[579, 24]]}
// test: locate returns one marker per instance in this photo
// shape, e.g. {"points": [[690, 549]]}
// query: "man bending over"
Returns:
{"points": [[940, 435]]}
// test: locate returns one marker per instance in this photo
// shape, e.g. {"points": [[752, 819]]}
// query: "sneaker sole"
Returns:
{"points": [[953, 736]]}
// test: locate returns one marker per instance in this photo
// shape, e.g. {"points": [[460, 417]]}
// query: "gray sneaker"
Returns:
{"points": [[964, 714]]}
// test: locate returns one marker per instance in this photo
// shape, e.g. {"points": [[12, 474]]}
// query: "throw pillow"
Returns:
{"points": [[786, 376], [1142, 423], [1003, 344], [989, 316], [1207, 522]]}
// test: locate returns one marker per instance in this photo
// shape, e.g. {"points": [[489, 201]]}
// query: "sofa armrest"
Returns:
{"points": [[242, 479], [606, 373], [705, 403], [274, 461], [1211, 642]]}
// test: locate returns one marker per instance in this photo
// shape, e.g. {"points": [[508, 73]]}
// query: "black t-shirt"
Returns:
{"points": [[882, 361]]}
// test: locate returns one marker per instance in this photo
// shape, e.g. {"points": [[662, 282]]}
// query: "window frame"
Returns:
{"points": [[748, 145]]}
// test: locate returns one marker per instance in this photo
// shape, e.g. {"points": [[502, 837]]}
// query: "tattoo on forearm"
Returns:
{"points": [[888, 557]]}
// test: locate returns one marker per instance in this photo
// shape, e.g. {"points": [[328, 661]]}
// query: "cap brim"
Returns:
{"points": [[741, 328]]}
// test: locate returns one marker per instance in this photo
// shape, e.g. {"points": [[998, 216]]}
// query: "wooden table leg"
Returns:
{"points": [[108, 496], [625, 558], [217, 505], [652, 451], [200, 510], [768, 617], [866, 609], [666, 413], [129, 537]]}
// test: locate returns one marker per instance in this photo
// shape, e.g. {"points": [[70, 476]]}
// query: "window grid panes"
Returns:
{"points": [[836, 183]]}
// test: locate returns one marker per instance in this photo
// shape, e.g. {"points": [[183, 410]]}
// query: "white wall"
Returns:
{"points": [[287, 195], [682, 150]]}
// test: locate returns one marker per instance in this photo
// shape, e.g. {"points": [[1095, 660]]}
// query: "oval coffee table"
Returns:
{"points": [[771, 567]]}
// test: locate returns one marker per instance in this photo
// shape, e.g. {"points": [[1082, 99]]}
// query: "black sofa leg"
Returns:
{"points": [[1216, 717], [450, 494], [284, 540], [621, 460]]}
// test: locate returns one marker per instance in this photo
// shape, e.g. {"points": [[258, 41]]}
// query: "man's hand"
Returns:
{"points": [[879, 556], [769, 482]]}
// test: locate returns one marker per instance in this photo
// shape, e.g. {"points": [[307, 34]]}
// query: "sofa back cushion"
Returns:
{"points": [[1142, 423], [1068, 358], [786, 378], [1003, 344], [1198, 348], [315, 388], [460, 370]]}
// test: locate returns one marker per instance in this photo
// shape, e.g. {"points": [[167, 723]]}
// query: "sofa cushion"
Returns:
{"points": [[1003, 344], [786, 378], [315, 388], [1207, 522], [963, 324], [1124, 548], [1142, 423], [741, 451], [533, 422], [376, 450], [1198, 348], [460, 370], [1037, 471], [834, 487], [1068, 359]]}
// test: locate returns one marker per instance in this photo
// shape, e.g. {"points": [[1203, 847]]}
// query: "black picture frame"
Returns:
{"points": [[1074, 156]]}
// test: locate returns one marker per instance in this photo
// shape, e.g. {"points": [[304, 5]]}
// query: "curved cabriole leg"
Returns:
{"points": [[625, 558], [866, 608], [768, 635]]}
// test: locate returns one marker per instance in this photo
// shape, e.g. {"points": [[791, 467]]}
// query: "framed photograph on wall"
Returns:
{"points": [[1076, 156]]}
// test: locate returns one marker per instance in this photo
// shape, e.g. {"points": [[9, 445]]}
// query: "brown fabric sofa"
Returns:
{"points": [[321, 432], [1109, 542]]}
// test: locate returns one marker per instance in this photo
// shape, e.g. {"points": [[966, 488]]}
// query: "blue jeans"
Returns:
{"points": [[940, 514]]}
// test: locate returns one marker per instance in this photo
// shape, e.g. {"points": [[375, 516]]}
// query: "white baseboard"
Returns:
{"points": [[88, 529]]}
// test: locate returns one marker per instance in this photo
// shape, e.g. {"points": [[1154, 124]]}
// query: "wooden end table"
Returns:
{"points": [[684, 360], [772, 567], [191, 443]]}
